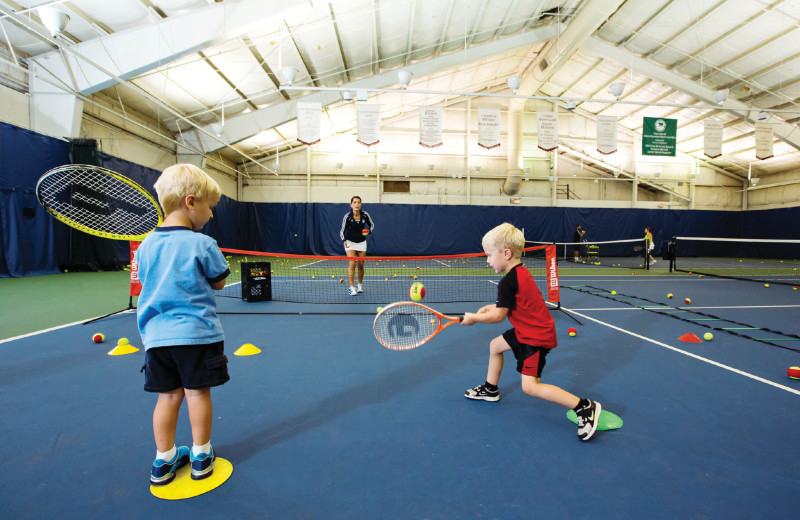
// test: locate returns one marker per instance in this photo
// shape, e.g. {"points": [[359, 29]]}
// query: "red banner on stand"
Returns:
{"points": [[136, 285], [553, 291]]}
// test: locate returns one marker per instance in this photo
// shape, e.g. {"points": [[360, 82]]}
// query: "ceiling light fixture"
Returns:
{"points": [[347, 95], [617, 89], [513, 83], [289, 74], [54, 20], [571, 105], [216, 128], [720, 96], [762, 116], [404, 77]]}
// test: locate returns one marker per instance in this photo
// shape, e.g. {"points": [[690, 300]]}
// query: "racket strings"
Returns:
{"points": [[98, 201], [405, 326]]}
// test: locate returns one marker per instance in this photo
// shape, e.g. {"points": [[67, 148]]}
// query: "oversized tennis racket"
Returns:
{"points": [[98, 201], [407, 325]]}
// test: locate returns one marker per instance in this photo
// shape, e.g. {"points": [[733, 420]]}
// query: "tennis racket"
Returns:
{"points": [[98, 201], [407, 325]]}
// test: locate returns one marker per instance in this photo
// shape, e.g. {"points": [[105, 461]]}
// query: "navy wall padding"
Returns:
{"points": [[29, 236], [35, 243]]}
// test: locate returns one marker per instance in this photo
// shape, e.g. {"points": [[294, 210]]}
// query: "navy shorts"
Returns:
{"points": [[530, 359], [185, 366]]}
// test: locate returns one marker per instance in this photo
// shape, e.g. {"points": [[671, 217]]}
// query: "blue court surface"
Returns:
{"points": [[325, 423]]}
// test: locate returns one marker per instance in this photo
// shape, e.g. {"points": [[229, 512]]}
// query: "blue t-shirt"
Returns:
{"points": [[177, 304]]}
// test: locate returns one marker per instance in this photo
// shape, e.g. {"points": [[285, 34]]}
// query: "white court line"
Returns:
{"points": [[684, 352], [57, 327], [688, 309]]}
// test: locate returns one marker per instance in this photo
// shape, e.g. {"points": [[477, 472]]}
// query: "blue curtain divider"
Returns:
{"points": [[34, 243]]}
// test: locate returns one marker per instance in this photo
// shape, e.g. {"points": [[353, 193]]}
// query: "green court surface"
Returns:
{"points": [[35, 303]]}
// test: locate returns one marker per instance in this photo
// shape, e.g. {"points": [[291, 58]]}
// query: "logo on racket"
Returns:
{"points": [[403, 326]]}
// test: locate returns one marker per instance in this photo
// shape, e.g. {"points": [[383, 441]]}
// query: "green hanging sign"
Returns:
{"points": [[659, 136]]}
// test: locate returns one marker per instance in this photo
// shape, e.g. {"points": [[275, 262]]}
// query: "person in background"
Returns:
{"points": [[577, 237], [649, 245], [356, 225]]}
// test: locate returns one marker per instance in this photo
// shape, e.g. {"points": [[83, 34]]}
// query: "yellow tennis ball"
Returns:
{"points": [[380, 309], [613, 292], [669, 296], [433, 322], [122, 341], [766, 285], [708, 336], [417, 291]]}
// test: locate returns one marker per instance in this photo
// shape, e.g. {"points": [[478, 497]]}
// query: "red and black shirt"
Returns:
{"points": [[527, 311]]}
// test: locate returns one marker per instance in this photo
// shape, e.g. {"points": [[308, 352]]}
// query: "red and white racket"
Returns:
{"points": [[407, 325]]}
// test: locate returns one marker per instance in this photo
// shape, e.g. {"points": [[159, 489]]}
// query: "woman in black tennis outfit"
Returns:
{"points": [[356, 225]]}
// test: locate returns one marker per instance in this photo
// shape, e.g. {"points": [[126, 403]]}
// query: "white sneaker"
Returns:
{"points": [[360, 288], [352, 291], [652, 262]]}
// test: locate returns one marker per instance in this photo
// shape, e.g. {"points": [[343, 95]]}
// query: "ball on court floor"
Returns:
{"points": [[417, 291], [793, 372], [766, 285], [687, 300], [122, 341], [341, 280], [708, 336], [795, 287], [613, 292], [700, 276], [572, 331], [98, 337], [669, 295]]}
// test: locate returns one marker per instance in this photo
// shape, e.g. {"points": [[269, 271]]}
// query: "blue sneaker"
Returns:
{"points": [[163, 471], [202, 465]]}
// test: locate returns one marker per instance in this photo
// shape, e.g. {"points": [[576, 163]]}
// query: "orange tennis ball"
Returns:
{"points": [[365, 232], [687, 300], [98, 337], [793, 372], [669, 295], [417, 291], [572, 331]]}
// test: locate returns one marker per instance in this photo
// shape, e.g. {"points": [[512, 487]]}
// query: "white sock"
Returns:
{"points": [[167, 455], [205, 448]]}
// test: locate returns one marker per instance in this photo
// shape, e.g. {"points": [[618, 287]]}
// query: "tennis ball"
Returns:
{"points": [[365, 232], [669, 295], [572, 331], [341, 280], [613, 292], [766, 285], [416, 291], [708, 336], [394, 276], [98, 337], [313, 277], [387, 278], [380, 309], [433, 322], [700, 276], [795, 287], [793, 372], [687, 300], [122, 341], [333, 276]]}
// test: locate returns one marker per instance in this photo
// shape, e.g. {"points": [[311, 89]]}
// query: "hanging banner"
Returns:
{"points": [[548, 130], [489, 127], [659, 136], [136, 284], [607, 134], [712, 138], [764, 140], [308, 117], [430, 126], [369, 123]]}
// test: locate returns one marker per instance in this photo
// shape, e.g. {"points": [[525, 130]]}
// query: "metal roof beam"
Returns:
{"points": [[244, 126]]}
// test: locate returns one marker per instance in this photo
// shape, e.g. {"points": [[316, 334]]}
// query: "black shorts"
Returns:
{"points": [[530, 360], [185, 366]]}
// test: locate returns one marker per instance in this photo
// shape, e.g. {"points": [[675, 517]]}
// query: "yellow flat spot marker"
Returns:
{"points": [[248, 349], [122, 348], [184, 487]]}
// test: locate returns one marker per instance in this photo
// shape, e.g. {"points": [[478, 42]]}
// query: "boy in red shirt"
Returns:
{"points": [[533, 334]]}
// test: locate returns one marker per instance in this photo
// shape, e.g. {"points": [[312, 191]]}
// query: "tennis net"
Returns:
{"points": [[257, 276], [629, 253], [770, 260]]}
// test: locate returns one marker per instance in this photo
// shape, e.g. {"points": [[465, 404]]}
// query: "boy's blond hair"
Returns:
{"points": [[180, 180], [505, 236]]}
